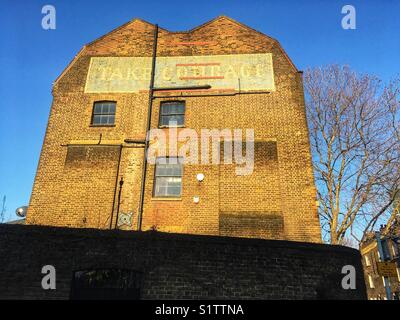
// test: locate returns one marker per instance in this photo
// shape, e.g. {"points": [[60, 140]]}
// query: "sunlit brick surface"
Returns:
{"points": [[75, 183]]}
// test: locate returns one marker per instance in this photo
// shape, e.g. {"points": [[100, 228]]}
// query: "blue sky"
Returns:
{"points": [[31, 58]]}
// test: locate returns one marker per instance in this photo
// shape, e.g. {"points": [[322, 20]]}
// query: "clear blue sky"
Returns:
{"points": [[31, 58]]}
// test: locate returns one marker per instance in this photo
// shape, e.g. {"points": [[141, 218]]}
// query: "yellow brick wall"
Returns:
{"points": [[277, 201]]}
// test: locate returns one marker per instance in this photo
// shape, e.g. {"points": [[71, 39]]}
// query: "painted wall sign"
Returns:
{"points": [[245, 72]]}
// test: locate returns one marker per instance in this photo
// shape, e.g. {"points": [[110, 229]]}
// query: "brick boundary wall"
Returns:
{"points": [[176, 266]]}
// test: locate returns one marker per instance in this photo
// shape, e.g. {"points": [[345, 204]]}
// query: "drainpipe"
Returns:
{"points": [[116, 184], [382, 255], [121, 183], [146, 146]]}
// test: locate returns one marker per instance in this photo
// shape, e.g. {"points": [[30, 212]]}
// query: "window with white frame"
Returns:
{"points": [[367, 261], [168, 177], [387, 280], [394, 250], [371, 282], [398, 273]]}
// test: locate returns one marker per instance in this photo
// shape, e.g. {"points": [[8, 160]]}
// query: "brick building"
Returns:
{"points": [[380, 282], [220, 75]]}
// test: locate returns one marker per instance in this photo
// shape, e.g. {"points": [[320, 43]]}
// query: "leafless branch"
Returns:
{"points": [[355, 140]]}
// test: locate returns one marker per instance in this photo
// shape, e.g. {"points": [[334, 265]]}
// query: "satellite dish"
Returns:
{"points": [[21, 211]]}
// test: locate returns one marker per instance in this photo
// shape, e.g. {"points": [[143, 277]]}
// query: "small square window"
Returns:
{"points": [[172, 114], [103, 113]]}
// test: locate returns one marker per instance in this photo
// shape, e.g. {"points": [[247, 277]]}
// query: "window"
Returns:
{"points": [[168, 177], [398, 273], [394, 250], [367, 261], [371, 282], [103, 113], [172, 114]]}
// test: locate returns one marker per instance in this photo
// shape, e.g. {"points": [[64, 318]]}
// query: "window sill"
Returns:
{"points": [[165, 199], [167, 127], [102, 125]]}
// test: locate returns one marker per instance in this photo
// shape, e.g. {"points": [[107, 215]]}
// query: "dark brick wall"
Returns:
{"points": [[175, 266]]}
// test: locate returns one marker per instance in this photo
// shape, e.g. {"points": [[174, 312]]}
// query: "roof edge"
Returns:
{"points": [[70, 64], [122, 26], [276, 42]]}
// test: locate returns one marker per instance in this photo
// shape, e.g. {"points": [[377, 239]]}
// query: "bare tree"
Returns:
{"points": [[355, 140], [349, 242]]}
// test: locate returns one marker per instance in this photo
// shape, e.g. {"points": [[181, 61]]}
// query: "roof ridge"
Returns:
{"points": [[249, 28], [207, 23], [276, 42], [123, 26]]}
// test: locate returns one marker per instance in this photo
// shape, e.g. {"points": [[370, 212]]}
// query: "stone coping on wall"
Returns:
{"points": [[163, 236]]}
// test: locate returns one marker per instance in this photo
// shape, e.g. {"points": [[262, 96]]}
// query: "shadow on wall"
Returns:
{"points": [[155, 265]]}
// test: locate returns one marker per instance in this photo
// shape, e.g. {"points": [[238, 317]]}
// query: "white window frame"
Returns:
{"points": [[398, 273], [160, 161], [367, 260], [393, 250], [371, 282]]}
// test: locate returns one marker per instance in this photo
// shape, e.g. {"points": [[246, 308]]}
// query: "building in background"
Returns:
{"points": [[381, 262], [220, 75]]}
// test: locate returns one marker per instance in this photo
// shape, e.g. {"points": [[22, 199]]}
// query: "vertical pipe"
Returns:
{"points": [[146, 146], [116, 184], [382, 254], [121, 183]]}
